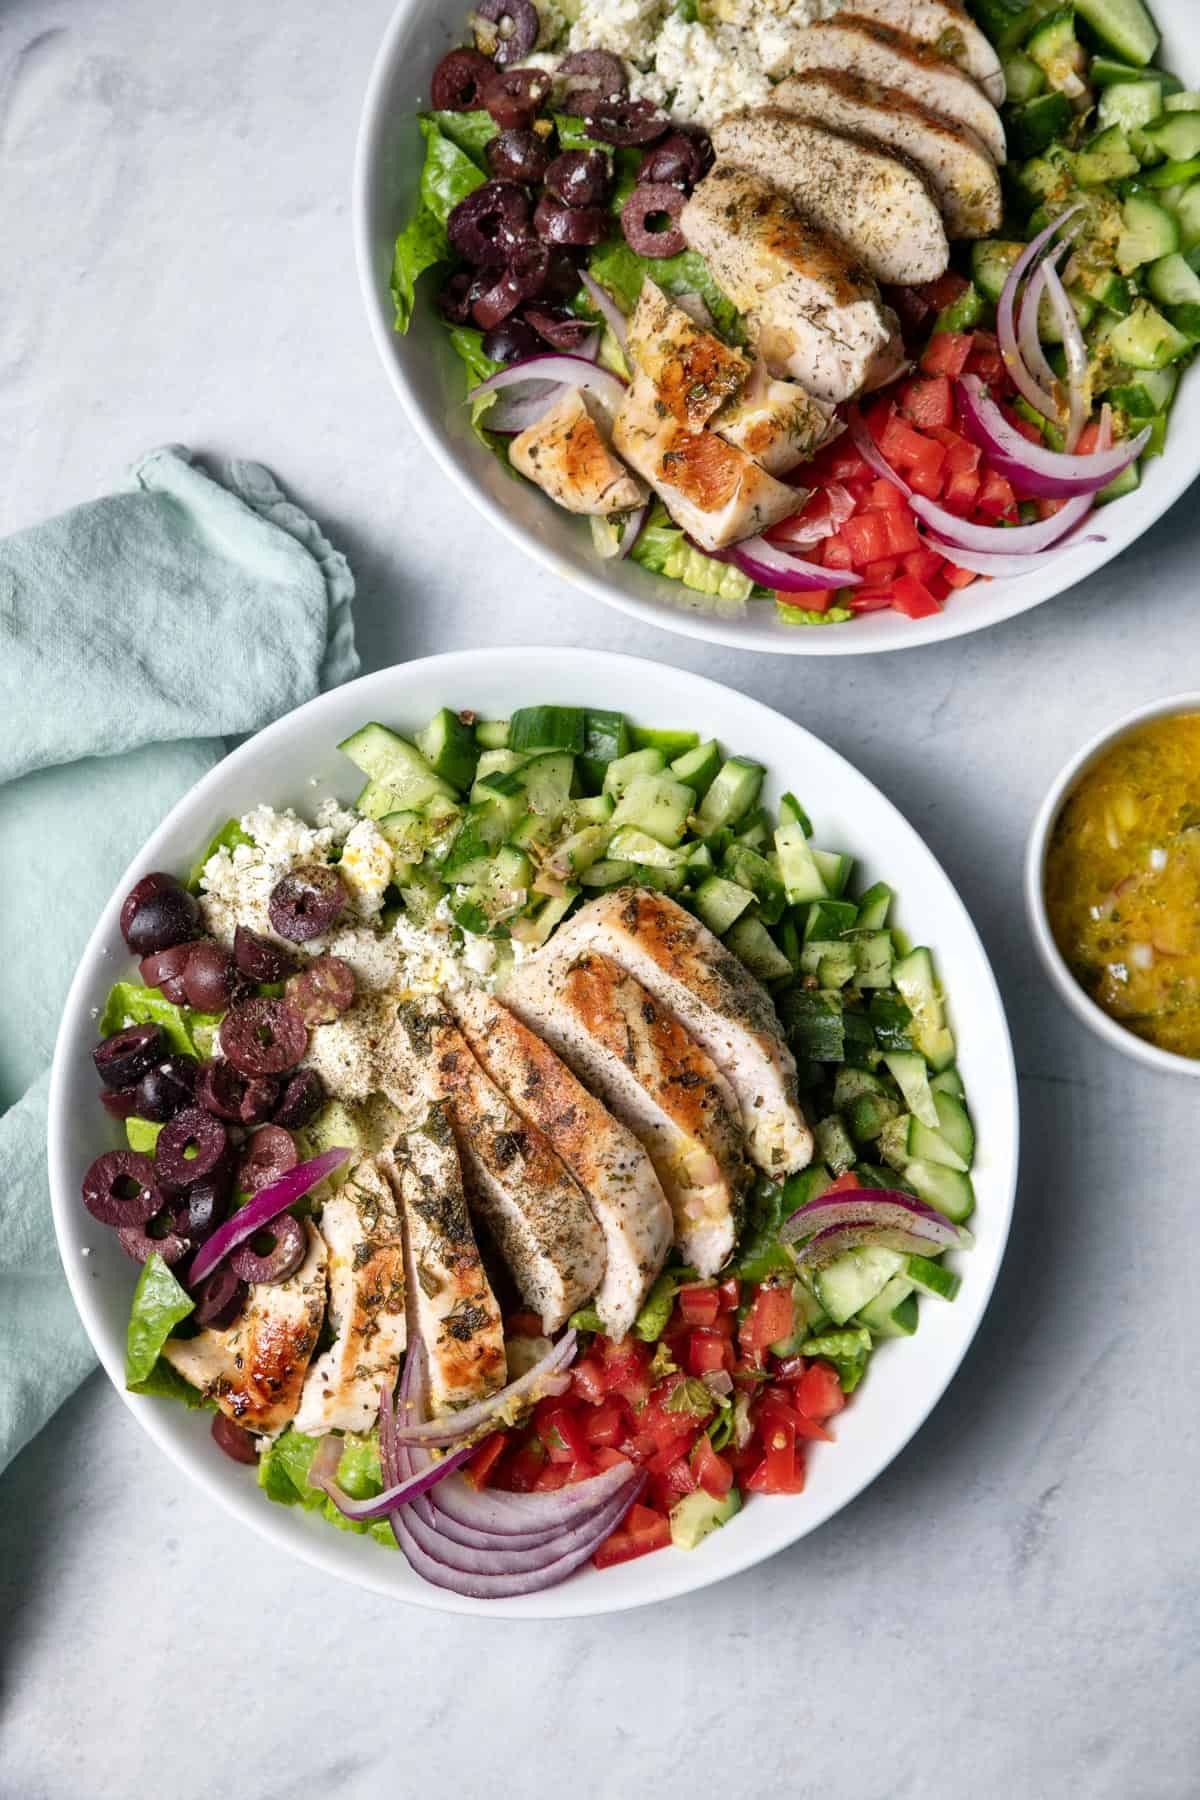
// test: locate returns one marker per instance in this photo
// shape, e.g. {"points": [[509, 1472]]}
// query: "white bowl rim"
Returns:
{"points": [[252, 1507], [1168, 1062], [1175, 472]]}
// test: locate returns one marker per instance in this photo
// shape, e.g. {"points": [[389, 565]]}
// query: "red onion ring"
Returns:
{"points": [[266, 1205], [606, 306], [462, 1424], [528, 1577], [1030, 342], [550, 373], [1075, 350], [323, 1469], [872, 1206], [1006, 335], [987, 562], [772, 566], [1049, 474]]}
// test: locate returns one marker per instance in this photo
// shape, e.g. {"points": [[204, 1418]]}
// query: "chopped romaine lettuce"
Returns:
{"points": [[651, 1322], [448, 176], [622, 271], [283, 1476], [664, 550], [159, 1303], [803, 615], [228, 838], [142, 1134], [759, 1253], [190, 1033], [471, 131]]}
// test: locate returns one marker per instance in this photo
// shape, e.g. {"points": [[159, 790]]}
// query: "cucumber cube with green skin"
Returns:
{"points": [[1187, 213], [1053, 46], [1149, 231], [450, 748], [814, 1024], [720, 903], [867, 1116], [492, 734], [1176, 136], [835, 869], [594, 809], [1185, 101], [792, 813], [1130, 104], [656, 804], [671, 743], [788, 939], [624, 769], [860, 1049], [471, 855], [894, 1312], [630, 844], [698, 768], [578, 852], [1127, 482], [850, 1085], [933, 1278], [1122, 26], [753, 871], [834, 1145], [534, 928], [547, 780], [851, 1281], [802, 880], [929, 1146], [732, 795], [753, 944], [390, 762], [606, 739], [1023, 79], [548, 728], [407, 833], [1145, 340], [991, 264], [891, 1022], [873, 958], [1109, 290], [608, 873], [874, 907], [911, 1076], [1042, 122], [914, 977], [1173, 282], [1105, 70], [949, 1081], [1171, 175], [961, 314], [829, 919], [1007, 22], [948, 1191], [754, 831], [1106, 157]]}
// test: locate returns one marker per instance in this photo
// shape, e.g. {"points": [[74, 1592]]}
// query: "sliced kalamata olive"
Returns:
{"points": [[263, 1037], [625, 122], [220, 1299], [119, 1103], [652, 201], [562, 277], [270, 1153], [164, 970], [518, 155], [524, 279], [242, 1099], [595, 73], [301, 1100], [272, 1254], [157, 913], [258, 959], [459, 80], [210, 977], [166, 1089], [485, 227], [496, 302], [563, 330], [157, 1238], [580, 177], [514, 97], [458, 295], [121, 1188], [516, 29], [679, 159], [203, 1207], [191, 1147], [511, 341], [560, 224], [235, 1440], [322, 991], [306, 902], [123, 1058]]}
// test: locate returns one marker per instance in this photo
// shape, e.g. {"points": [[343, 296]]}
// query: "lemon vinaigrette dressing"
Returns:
{"points": [[1122, 882]]}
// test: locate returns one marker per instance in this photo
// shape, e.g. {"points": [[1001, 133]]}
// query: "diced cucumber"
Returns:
{"points": [[991, 261], [835, 868], [1173, 282], [698, 768], [471, 854], [1185, 101], [873, 958], [1108, 289], [917, 985], [547, 782], [754, 831], [1023, 80], [1104, 71], [753, 944], [949, 1191], [450, 748], [802, 880], [1176, 136], [929, 1146], [698, 1514], [630, 844], [894, 1311], [850, 1282], [595, 809], [874, 907], [814, 1023], [1145, 340], [421, 890], [1122, 26], [1187, 213], [949, 1081], [912, 1078], [605, 739], [1149, 232], [393, 767], [1130, 104], [671, 743], [1106, 157], [832, 962], [792, 813], [656, 804], [534, 929], [624, 769], [867, 1116], [734, 793], [749, 869], [547, 728], [491, 734], [1053, 46], [1127, 482], [788, 939], [890, 1022], [962, 313], [829, 919], [1049, 329], [407, 833], [1169, 176], [578, 852], [608, 873], [851, 1084], [834, 1145], [721, 903], [933, 1278], [1038, 124], [1007, 22]]}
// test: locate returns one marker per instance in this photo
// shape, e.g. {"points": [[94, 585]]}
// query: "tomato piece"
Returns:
{"points": [[902, 534], [900, 445], [869, 599], [605, 1458], [913, 598], [883, 496], [996, 497], [643, 1530], [707, 1352], [818, 1394], [713, 1473], [958, 578], [699, 1305], [589, 1379], [605, 1424], [818, 600], [946, 353], [960, 493], [923, 564], [845, 1184], [769, 1320], [523, 1324], [481, 1466], [553, 1476], [845, 463], [878, 574], [866, 534], [962, 456], [1087, 440], [928, 402], [729, 1294], [836, 553], [673, 1472], [523, 1469], [782, 1468], [944, 290]]}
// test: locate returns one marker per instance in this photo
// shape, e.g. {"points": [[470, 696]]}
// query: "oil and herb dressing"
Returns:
{"points": [[1122, 882]]}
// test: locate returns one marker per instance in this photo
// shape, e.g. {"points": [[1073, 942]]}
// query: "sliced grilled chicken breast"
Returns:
{"points": [[693, 372], [649, 1072], [453, 1307], [255, 1370], [878, 203], [946, 28], [716, 1000], [566, 454], [538, 1216], [605, 1158], [777, 423], [815, 315], [960, 170], [361, 1229], [864, 46], [717, 492]]}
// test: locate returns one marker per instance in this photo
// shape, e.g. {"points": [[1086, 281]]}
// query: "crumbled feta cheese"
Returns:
{"points": [[626, 27], [334, 817], [366, 867], [701, 74]]}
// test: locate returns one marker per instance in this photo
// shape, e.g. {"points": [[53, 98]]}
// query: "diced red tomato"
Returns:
{"points": [[866, 534], [589, 1380], [845, 464], [845, 1183], [707, 1352], [986, 361], [923, 565], [902, 535], [947, 353], [603, 1458], [605, 1424], [869, 599], [522, 1469], [522, 1324], [769, 1319], [1087, 440], [961, 454], [878, 574], [479, 1470], [713, 1473], [913, 598], [818, 600], [643, 1530], [730, 1294], [836, 552], [944, 291], [782, 1468], [818, 1394], [699, 1305], [928, 402], [900, 445], [884, 496], [957, 578], [961, 492], [996, 497]]}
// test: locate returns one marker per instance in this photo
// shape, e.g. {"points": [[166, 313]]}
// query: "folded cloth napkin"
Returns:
{"points": [[136, 633]]}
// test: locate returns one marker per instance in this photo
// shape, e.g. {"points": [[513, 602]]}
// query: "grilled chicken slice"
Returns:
{"points": [[815, 314], [716, 492], [960, 170], [453, 1307], [693, 372], [864, 46], [648, 1071], [605, 1158], [877, 203], [776, 422], [566, 454], [255, 1370], [539, 1218], [946, 28], [718, 1002], [361, 1229]]}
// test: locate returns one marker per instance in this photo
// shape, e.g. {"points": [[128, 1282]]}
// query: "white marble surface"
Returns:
{"points": [[1011, 1609]]}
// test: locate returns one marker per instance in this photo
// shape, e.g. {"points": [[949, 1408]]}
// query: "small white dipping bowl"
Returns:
{"points": [[1093, 1016]]}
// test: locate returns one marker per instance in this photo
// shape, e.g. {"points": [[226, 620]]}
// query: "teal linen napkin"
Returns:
{"points": [[136, 634]]}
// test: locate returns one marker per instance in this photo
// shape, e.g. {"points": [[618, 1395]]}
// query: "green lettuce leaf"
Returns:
{"points": [[190, 1033], [651, 1322], [470, 131], [228, 838], [468, 344], [142, 1134], [283, 1476], [448, 176], [803, 615], [664, 550], [159, 1303], [165, 1383], [759, 1252], [622, 271]]}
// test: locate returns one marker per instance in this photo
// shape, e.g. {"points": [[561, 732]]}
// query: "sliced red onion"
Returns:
{"points": [[870, 452], [886, 1208], [607, 307], [1075, 350], [1050, 474], [994, 563], [323, 1469], [1006, 334], [535, 1382], [502, 1558], [696, 308], [634, 525], [552, 372], [771, 565], [1029, 339], [1018, 540], [266, 1205], [838, 507], [836, 1240]]}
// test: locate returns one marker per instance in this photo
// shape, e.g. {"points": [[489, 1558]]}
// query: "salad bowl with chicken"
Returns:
{"points": [[532, 1163], [826, 327]]}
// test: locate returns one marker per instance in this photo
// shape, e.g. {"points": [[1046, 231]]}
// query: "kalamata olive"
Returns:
{"points": [[679, 159], [306, 902], [322, 991], [263, 1037], [166, 1089], [301, 1100], [459, 80], [203, 1207], [272, 1254], [210, 977], [270, 1153], [121, 1188], [518, 156], [258, 959], [561, 330], [516, 29], [514, 96], [191, 1147], [649, 201], [496, 302], [234, 1439], [511, 341], [123, 1057], [159, 1237], [580, 177], [164, 970], [486, 226], [242, 1099], [459, 294], [119, 1103], [157, 913], [220, 1299], [560, 224], [619, 121], [562, 278], [592, 74], [524, 279]]}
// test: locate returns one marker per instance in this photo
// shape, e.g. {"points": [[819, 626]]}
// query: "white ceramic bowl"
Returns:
{"points": [[428, 378], [1084, 1008], [295, 763]]}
